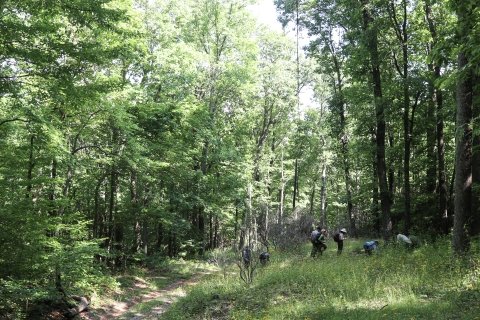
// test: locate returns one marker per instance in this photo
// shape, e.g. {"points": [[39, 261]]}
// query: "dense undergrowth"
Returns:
{"points": [[393, 284]]}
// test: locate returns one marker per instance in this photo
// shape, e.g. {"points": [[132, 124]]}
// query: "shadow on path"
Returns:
{"points": [[149, 304]]}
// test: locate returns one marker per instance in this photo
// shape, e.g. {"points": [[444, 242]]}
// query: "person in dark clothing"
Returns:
{"points": [[341, 237], [318, 241], [247, 256], [264, 257]]}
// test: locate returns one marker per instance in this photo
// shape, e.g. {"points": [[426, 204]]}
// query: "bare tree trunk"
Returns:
{"points": [[323, 191], [135, 213], [96, 209], [295, 186], [111, 210], [31, 165], [210, 231], [437, 97], [323, 194], [53, 176], [340, 106], [236, 219], [159, 236], [475, 220], [215, 234], [145, 236], [375, 195], [400, 29], [282, 189], [201, 228], [372, 47], [312, 198], [463, 161], [146, 201], [442, 179], [463, 217]]}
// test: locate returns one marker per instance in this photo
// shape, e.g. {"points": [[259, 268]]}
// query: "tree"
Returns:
{"points": [[466, 93]]}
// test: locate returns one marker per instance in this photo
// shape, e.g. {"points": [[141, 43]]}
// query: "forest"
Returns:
{"points": [[133, 131]]}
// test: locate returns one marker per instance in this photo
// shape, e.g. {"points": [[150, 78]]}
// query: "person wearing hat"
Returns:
{"points": [[318, 241], [339, 239]]}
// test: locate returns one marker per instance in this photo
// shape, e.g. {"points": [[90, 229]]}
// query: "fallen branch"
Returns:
{"points": [[82, 306]]}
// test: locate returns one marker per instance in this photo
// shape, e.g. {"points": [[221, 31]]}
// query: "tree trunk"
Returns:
{"points": [[201, 229], [237, 202], [323, 191], [295, 186], [135, 212], [475, 220], [111, 210], [210, 231], [463, 160], [146, 201], [215, 234], [340, 103], [82, 306], [159, 236], [282, 189], [437, 97], [407, 125], [372, 47], [464, 141], [53, 176], [31, 165], [375, 195]]}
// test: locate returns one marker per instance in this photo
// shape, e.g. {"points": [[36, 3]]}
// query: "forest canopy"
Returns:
{"points": [[144, 129]]}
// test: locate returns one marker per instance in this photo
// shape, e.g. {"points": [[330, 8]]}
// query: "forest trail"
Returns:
{"points": [[150, 304]]}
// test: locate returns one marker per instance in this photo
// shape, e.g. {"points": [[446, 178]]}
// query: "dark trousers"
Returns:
{"points": [[340, 246], [318, 247]]}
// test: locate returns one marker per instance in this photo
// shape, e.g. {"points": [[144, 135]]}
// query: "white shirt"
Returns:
{"points": [[403, 238]]}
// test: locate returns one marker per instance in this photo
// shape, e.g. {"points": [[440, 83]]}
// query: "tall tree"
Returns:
{"points": [[466, 87]]}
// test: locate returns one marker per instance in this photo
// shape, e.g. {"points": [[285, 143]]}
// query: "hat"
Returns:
{"points": [[343, 230]]}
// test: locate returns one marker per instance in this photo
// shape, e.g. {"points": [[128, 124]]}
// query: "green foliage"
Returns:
{"points": [[393, 283], [133, 131]]}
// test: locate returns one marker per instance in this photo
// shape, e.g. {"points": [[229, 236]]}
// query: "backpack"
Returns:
{"points": [[315, 240], [336, 237]]}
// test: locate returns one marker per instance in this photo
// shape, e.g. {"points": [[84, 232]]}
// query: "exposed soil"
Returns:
{"points": [[159, 300]]}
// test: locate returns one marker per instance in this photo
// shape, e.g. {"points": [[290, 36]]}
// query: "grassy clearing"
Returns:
{"points": [[394, 284]]}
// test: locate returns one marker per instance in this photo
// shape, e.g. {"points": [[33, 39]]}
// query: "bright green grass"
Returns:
{"points": [[394, 284]]}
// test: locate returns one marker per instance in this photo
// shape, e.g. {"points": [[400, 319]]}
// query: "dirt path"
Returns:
{"points": [[150, 305]]}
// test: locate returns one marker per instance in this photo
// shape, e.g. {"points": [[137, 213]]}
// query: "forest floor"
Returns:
{"points": [[142, 299], [158, 300]]}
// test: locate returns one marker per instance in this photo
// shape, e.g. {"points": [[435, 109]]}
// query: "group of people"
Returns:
{"points": [[318, 240], [247, 256]]}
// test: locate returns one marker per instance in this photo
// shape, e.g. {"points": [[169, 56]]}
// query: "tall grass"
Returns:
{"points": [[393, 284]]}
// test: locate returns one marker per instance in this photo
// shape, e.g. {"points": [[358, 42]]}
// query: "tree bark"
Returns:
{"points": [[437, 97], [464, 142], [82, 306], [372, 47], [463, 162]]}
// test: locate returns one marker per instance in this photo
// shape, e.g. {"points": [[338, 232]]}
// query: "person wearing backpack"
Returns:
{"points": [[338, 237], [318, 241]]}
